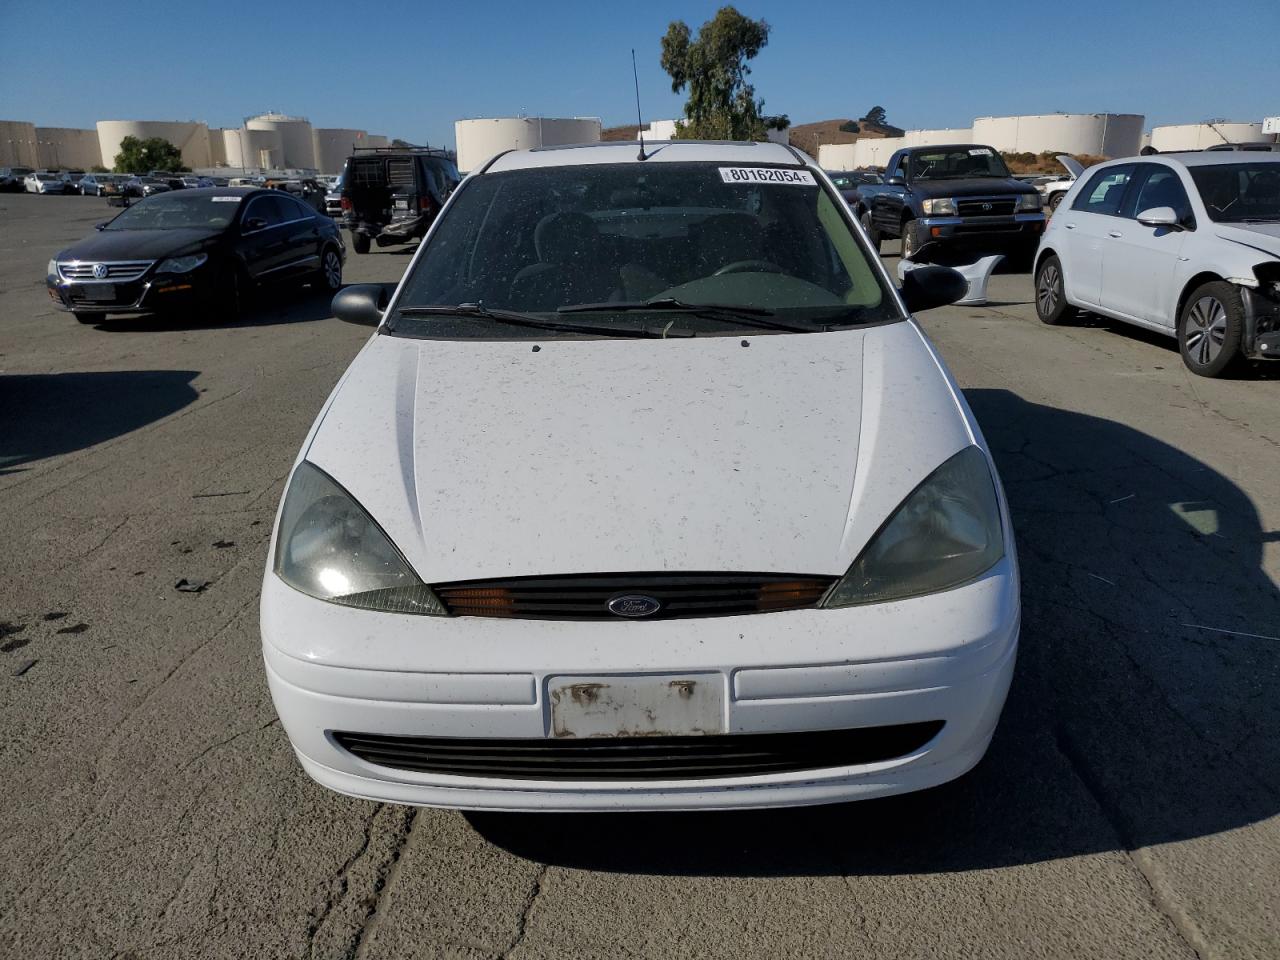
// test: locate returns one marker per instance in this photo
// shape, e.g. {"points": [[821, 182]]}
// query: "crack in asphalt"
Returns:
{"points": [[1159, 896], [384, 879], [522, 921]]}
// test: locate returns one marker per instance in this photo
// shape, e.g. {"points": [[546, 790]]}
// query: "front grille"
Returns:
{"points": [[986, 206], [587, 596], [641, 758], [118, 271]]}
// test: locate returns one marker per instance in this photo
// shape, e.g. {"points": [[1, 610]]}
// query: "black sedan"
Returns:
{"points": [[203, 250]]}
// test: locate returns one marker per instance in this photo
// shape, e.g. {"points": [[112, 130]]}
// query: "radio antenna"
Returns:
{"points": [[639, 118]]}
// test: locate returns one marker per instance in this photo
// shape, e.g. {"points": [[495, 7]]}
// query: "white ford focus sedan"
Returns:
{"points": [[1187, 244], [647, 492]]}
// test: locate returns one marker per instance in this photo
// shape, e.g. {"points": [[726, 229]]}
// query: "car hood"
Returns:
{"points": [[485, 459], [1264, 237], [971, 187], [137, 244]]}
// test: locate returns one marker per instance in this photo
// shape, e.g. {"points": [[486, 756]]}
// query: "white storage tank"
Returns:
{"points": [[933, 138], [334, 144], [189, 136], [377, 140], [836, 156], [18, 144], [1198, 136], [1094, 134], [875, 151], [67, 148], [480, 139], [295, 138], [252, 149]]}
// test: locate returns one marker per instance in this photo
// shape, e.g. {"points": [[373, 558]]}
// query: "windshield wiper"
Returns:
{"points": [[742, 314], [517, 319]]}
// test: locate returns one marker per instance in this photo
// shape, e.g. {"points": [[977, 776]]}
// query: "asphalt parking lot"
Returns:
{"points": [[1128, 806]]}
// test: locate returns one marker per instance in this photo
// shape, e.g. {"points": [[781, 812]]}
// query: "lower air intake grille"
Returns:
{"points": [[641, 758], [665, 596]]}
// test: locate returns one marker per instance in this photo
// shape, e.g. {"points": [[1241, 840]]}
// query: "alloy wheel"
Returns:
{"points": [[1047, 291], [332, 270], [1205, 330]]}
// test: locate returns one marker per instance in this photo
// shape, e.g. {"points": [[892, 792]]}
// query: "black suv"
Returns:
{"points": [[392, 194]]}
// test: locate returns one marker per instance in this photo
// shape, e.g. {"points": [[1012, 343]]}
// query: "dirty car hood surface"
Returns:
{"points": [[486, 459]]}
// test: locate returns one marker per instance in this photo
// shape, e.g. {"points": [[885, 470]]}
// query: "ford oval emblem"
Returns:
{"points": [[634, 605], [100, 271]]}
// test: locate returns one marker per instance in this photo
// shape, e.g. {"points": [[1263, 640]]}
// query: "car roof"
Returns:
{"points": [[218, 192], [656, 151], [1209, 158]]}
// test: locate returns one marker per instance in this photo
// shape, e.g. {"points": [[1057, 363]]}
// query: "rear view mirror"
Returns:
{"points": [[361, 303], [1159, 217], [931, 286]]}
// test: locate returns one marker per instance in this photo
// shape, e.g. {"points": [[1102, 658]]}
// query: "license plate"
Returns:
{"points": [[98, 291], [402, 204], [686, 704]]}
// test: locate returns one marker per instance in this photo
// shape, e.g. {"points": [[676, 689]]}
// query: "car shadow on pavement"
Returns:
{"points": [[1142, 711], [266, 308], [44, 415]]}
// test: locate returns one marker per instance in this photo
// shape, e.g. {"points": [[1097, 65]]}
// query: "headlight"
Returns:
{"points": [[947, 533], [182, 264], [52, 269], [1030, 201], [328, 547], [945, 207]]}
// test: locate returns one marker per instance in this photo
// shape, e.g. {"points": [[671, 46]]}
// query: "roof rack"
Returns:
{"points": [[427, 151]]}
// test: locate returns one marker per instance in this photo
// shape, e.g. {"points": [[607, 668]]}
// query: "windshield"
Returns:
{"points": [[546, 241], [175, 211], [955, 163], [1240, 192]]}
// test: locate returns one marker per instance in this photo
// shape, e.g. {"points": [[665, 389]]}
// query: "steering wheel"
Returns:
{"points": [[749, 266]]}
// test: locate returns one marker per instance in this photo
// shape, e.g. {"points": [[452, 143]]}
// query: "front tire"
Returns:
{"points": [[90, 318], [1051, 295], [360, 242], [869, 226], [910, 242], [1055, 201], [329, 276], [1211, 328]]}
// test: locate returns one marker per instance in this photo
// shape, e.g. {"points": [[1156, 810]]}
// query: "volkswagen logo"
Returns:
{"points": [[986, 206], [634, 605], [99, 271]]}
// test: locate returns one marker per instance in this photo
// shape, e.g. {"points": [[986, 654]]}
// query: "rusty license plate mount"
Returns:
{"points": [[645, 705]]}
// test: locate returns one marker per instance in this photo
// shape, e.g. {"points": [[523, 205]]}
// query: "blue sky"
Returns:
{"points": [[411, 69]]}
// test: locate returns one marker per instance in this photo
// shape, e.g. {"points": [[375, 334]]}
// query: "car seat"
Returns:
{"points": [[571, 267]]}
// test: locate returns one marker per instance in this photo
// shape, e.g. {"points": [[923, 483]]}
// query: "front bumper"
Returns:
{"points": [[946, 657], [1261, 324], [151, 293], [987, 233]]}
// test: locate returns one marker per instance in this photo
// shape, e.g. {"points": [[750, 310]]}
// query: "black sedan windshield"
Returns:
{"points": [[639, 247], [175, 211], [1240, 192]]}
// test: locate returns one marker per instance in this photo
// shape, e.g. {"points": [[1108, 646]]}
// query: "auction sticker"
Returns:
{"points": [[226, 199], [796, 178]]}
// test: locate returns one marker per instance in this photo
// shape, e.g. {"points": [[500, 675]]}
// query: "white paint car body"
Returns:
{"points": [[781, 452], [1143, 273]]}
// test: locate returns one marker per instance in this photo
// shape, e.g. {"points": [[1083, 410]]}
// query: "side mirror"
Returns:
{"points": [[1160, 217], [926, 287], [255, 223], [361, 303], [896, 181]]}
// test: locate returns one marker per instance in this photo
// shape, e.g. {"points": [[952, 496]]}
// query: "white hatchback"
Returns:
{"points": [[647, 493], [1186, 244]]}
